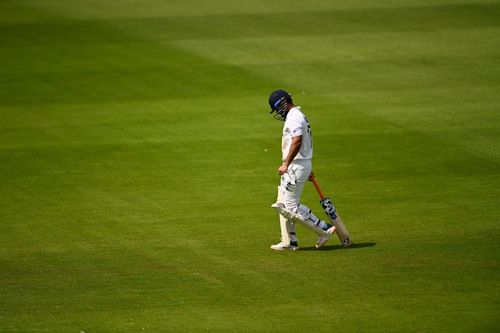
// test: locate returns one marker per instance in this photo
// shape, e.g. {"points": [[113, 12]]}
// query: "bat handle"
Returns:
{"points": [[316, 186]]}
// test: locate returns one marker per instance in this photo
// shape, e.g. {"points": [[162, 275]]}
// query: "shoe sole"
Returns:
{"points": [[291, 248]]}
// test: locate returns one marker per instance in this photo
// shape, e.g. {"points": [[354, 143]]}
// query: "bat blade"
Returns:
{"points": [[331, 212]]}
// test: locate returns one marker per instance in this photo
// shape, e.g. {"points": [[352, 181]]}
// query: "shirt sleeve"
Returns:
{"points": [[296, 126]]}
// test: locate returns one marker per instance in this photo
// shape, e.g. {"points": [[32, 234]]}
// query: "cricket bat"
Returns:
{"points": [[332, 214]]}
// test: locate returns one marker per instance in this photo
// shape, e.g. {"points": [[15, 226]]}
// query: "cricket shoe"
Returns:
{"points": [[324, 238], [281, 246]]}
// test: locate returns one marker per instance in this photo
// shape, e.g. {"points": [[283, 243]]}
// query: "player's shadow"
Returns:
{"points": [[339, 247]]}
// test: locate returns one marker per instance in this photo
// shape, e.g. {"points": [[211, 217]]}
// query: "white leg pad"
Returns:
{"points": [[285, 234], [304, 216], [284, 223]]}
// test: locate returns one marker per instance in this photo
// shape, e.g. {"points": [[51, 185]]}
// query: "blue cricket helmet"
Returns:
{"points": [[278, 102]]}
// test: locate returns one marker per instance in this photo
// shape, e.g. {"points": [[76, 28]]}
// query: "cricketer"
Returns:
{"points": [[297, 153]]}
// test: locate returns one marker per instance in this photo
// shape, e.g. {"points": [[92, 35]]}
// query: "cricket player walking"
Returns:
{"points": [[297, 153]]}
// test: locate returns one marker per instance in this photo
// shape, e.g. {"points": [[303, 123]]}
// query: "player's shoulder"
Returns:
{"points": [[295, 114]]}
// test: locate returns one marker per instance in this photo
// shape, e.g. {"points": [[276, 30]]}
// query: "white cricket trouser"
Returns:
{"points": [[289, 193]]}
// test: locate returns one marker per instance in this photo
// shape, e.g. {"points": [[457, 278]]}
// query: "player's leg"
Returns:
{"points": [[320, 227], [288, 235], [293, 184], [313, 222], [305, 217]]}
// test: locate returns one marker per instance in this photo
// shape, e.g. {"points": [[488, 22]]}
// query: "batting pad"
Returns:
{"points": [[297, 218]]}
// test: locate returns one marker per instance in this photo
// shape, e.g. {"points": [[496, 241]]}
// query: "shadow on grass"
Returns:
{"points": [[339, 247]]}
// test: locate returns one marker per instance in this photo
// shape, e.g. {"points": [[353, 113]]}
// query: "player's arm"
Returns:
{"points": [[294, 150]]}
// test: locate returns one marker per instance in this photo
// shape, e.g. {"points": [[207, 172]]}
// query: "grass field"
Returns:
{"points": [[138, 163]]}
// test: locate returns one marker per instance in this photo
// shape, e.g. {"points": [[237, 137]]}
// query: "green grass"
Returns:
{"points": [[138, 164]]}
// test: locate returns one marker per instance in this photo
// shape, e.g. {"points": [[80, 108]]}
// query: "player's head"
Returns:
{"points": [[280, 102]]}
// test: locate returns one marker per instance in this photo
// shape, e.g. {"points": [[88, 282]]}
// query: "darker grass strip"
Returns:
{"points": [[313, 23]]}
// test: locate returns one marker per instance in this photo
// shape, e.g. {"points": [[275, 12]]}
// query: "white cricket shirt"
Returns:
{"points": [[296, 124]]}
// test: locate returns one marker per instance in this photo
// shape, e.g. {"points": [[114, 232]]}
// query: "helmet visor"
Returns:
{"points": [[280, 108]]}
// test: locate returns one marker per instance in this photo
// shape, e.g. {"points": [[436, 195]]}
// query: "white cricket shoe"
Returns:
{"points": [[281, 246], [323, 239]]}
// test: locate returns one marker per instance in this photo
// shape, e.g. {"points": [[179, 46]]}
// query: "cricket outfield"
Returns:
{"points": [[138, 164]]}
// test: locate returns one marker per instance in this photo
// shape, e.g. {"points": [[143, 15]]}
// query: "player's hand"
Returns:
{"points": [[283, 169], [311, 176]]}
